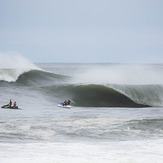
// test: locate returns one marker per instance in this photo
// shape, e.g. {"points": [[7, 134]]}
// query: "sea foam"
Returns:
{"points": [[112, 152]]}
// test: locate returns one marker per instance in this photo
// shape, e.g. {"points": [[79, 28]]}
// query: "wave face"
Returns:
{"points": [[40, 78], [90, 89], [93, 96], [99, 95], [109, 96], [151, 95]]}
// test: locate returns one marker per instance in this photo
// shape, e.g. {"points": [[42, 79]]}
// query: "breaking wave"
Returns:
{"points": [[108, 96], [16, 69], [89, 95], [40, 78], [85, 93], [30, 78], [12, 65]]}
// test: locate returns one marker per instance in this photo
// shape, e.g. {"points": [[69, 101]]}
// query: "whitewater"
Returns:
{"points": [[116, 117]]}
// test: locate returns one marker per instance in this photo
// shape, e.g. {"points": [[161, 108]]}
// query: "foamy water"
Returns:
{"points": [[109, 120], [113, 152]]}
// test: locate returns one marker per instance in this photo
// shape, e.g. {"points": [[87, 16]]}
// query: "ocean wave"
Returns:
{"points": [[98, 96], [12, 65], [11, 75], [39, 78], [84, 94], [151, 95], [30, 78]]}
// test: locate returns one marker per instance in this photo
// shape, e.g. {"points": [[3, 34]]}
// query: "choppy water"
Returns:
{"points": [[117, 113]]}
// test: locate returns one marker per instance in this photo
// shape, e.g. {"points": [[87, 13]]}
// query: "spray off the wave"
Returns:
{"points": [[142, 84], [121, 74], [12, 65]]}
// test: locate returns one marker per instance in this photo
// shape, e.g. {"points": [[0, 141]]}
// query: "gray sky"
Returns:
{"points": [[83, 30]]}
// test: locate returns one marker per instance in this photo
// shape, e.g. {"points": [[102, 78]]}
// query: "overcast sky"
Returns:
{"points": [[116, 31]]}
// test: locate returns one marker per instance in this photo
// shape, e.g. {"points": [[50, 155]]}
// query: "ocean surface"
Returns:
{"points": [[116, 114]]}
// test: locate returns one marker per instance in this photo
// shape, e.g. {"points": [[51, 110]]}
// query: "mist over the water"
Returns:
{"points": [[12, 65], [137, 74]]}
